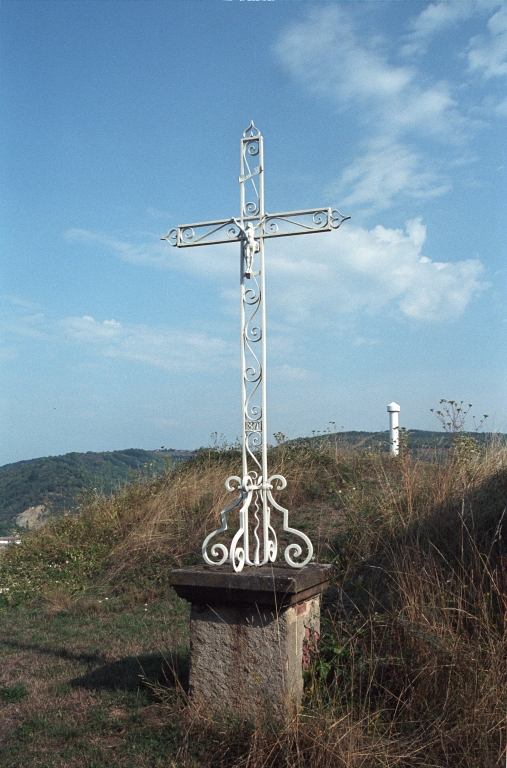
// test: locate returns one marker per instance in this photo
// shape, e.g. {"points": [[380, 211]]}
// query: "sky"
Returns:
{"points": [[122, 119]]}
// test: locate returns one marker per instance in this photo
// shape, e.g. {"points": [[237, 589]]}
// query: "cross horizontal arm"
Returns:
{"points": [[270, 225], [301, 222], [204, 233]]}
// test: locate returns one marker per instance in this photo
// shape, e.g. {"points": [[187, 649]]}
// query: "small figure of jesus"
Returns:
{"points": [[251, 246]]}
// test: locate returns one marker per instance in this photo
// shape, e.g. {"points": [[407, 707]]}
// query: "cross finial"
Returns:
{"points": [[251, 131]]}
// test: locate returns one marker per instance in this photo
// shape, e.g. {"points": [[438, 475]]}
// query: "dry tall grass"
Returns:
{"points": [[412, 666], [412, 663]]}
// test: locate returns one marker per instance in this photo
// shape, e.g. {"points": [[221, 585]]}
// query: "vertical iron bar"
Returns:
{"points": [[242, 310], [264, 478]]}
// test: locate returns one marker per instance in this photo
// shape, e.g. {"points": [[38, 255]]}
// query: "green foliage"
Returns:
{"points": [[8, 529], [58, 481], [66, 555], [11, 694]]}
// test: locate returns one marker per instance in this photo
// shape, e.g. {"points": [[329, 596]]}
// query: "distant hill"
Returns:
{"points": [[52, 485], [55, 482], [423, 444], [417, 438]]}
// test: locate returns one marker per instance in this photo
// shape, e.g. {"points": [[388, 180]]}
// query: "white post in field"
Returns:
{"points": [[394, 438]]}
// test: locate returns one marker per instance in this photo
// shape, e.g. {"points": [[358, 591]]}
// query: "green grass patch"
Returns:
{"points": [[13, 693]]}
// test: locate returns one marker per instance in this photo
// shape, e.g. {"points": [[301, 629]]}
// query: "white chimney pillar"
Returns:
{"points": [[393, 409]]}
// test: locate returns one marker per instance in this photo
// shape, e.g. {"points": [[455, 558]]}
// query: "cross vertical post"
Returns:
{"points": [[252, 545]]}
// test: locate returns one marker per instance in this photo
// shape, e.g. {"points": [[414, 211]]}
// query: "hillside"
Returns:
{"points": [[410, 671], [57, 481], [419, 443], [418, 440]]}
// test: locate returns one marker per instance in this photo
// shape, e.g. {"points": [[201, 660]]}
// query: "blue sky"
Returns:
{"points": [[122, 119]]}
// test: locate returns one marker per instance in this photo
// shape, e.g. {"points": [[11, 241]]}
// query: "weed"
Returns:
{"points": [[453, 415]]}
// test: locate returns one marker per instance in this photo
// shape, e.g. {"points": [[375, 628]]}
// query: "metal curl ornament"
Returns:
{"points": [[252, 296], [271, 226], [188, 234], [294, 549], [252, 374], [254, 334], [216, 548], [252, 148], [251, 209], [171, 237], [320, 218], [254, 542], [251, 131], [255, 413], [337, 218]]}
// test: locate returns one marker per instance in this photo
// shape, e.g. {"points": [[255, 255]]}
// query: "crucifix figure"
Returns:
{"points": [[255, 542], [251, 245]]}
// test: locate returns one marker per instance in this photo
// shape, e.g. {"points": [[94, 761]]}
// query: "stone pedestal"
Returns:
{"points": [[252, 634]]}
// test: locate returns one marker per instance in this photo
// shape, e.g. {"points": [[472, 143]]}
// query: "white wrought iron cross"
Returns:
{"points": [[255, 487]]}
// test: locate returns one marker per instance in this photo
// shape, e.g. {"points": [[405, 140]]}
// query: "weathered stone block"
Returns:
{"points": [[252, 634]]}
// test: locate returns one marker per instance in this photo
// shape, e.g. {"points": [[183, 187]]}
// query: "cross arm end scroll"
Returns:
{"points": [[337, 218]]}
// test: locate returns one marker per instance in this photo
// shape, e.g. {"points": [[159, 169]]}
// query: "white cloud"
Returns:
{"points": [[435, 18], [208, 261], [171, 349], [87, 329], [330, 58], [20, 321], [19, 302], [501, 108], [361, 341], [288, 373], [373, 271], [319, 281], [406, 114], [487, 54], [29, 326], [156, 253], [324, 53], [385, 172]]}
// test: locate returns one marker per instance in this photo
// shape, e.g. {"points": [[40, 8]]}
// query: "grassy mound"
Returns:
{"points": [[411, 669]]}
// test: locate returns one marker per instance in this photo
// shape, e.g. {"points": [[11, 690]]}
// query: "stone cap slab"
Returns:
{"points": [[277, 585]]}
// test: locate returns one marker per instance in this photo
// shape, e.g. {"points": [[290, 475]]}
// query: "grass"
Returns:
{"points": [[411, 670], [75, 687]]}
